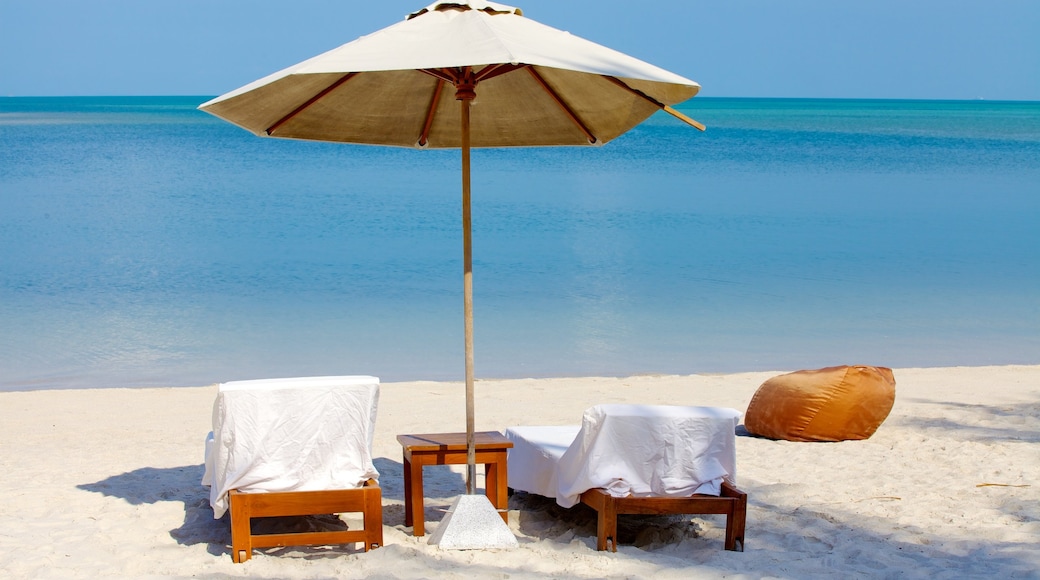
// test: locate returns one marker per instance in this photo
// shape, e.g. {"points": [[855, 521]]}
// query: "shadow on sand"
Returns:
{"points": [[981, 423], [150, 485], [837, 540]]}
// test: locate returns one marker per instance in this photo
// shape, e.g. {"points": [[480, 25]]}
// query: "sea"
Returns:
{"points": [[145, 243]]}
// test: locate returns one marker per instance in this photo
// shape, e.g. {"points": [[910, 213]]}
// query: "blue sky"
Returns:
{"points": [[917, 49]]}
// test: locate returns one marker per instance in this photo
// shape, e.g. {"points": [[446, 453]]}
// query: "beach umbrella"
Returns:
{"points": [[459, 74]]}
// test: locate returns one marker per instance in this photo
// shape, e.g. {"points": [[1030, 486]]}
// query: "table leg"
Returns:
{"points": [[407, 489], [496, 487], [417, 511]]}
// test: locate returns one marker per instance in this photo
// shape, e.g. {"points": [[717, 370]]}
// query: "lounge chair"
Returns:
{"points": [[635, 459], [294, 447]]}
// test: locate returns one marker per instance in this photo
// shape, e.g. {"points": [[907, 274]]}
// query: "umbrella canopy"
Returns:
{"points": [[537, 86], [528, 84]]}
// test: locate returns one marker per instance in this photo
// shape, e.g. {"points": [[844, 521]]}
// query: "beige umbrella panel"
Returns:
{"points": [[459, 75], [522, 106]]}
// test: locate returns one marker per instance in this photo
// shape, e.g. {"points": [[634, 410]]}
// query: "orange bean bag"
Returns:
{"points": [[831, 404]]}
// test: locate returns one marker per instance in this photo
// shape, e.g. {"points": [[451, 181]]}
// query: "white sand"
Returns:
{"points": [[105, 483]]}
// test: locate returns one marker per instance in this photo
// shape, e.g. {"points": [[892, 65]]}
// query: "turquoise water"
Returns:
{"points": [[145, 243]]}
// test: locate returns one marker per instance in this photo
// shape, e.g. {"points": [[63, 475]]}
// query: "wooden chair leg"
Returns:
{"points": [[736, 519], [373, 516], [241, 544], [606, 525]]}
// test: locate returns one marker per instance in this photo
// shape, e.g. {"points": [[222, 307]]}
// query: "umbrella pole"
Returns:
{"points": [[472, 522], [467, 291]]}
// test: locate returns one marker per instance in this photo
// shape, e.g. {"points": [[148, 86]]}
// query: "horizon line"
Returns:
{"points": [[692, 99]]}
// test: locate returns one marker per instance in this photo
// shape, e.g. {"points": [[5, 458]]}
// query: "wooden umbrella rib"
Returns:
{"points": [[659, 104], [444, 74], [270, 130], [424, 137], [493, 70], [559, 101]]}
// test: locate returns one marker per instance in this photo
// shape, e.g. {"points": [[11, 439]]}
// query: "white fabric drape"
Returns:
{"points": [[638, 450], [299, 434]]}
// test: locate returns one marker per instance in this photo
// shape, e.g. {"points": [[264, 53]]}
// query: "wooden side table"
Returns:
{"points": [[450, 449]]}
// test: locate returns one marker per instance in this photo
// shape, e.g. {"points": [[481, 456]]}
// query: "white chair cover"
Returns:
{"points": [[299, 434], [638, 450]]}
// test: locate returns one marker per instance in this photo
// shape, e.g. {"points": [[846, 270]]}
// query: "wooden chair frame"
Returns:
{"points": [[732, 503], [245, 506]]}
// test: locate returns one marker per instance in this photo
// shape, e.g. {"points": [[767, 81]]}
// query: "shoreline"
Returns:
{"points": [[105, 482], [478, 380]]}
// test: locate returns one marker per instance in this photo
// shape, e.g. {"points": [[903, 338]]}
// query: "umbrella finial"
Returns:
{"points": [[488, 7]]}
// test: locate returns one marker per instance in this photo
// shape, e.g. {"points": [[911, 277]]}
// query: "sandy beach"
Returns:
{"points": [[105, 483]]}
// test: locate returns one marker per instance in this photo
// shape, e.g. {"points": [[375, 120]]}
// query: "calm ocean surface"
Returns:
{"points": [[145, 243]]}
